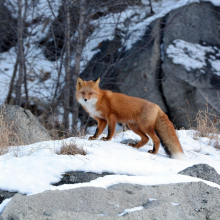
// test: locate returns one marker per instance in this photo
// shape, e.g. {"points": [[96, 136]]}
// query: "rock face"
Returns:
{"points": [[24, 124], [187, 91], [173, 201]]}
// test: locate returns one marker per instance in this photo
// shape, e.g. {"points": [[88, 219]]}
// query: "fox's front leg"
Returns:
{"points": [[100, 128], [111, 127]]}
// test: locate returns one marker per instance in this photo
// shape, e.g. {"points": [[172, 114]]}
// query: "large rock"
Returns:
{"points": [[173, 201], [202, 171], [24, 125], [188, 91]]}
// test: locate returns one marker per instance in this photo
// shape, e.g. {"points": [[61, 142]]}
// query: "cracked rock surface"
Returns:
{"points": [[174, 201]]}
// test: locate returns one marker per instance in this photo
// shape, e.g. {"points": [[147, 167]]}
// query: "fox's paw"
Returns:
{"points": [[92, 138], [132, 145], [105, 139], [151, 152]]}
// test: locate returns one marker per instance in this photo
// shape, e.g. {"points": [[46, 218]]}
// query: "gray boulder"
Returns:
{"points": [[24, 124], [202, 171], [174, 201], [188, 91]]}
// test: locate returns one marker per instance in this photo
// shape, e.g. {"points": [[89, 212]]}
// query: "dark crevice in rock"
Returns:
{"points": [[26, 113], [73, 177], [4, 194], [161, 73]]}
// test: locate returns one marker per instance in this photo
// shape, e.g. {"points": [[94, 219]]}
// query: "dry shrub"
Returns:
{"points": [[8, 136], [217, 144], [207, 126], [71, 149]]}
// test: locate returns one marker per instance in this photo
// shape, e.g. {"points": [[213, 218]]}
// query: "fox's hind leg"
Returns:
{"points": [[150, 131], [144, 138]]}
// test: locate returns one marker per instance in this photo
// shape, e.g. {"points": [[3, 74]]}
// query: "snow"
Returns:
{"points": [[194, 56], [175, 204], [33, 168], [216, 66], [131, 210], [37, 165], [3, 204]]}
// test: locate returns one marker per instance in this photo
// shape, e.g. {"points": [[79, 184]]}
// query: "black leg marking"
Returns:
{"points": [[109, 133], [96, 132]]}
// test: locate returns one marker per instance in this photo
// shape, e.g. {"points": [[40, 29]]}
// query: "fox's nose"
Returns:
{"points": [[85, 100]]}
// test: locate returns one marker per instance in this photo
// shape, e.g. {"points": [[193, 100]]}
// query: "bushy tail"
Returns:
{"points": [[167, 135]]}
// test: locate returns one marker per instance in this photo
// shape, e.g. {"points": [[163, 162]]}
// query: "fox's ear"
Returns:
{"points": [[96, 84], [79, 84]]}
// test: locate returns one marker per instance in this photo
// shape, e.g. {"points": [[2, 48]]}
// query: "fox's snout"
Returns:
{"points": [[85, 100]]}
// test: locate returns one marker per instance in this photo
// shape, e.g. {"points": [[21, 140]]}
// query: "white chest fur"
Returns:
{"points": [[90, 106]]}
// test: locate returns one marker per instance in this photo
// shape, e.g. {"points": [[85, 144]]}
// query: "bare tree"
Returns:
{"points": [[20, 54], [66, 105], [80, 41]]}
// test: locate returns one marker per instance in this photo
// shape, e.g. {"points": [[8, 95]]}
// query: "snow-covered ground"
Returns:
{"points": [[33, 168]]}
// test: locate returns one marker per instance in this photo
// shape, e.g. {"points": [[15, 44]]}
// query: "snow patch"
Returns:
{"points": [[3, 204], [194, 56], [131, 210]]}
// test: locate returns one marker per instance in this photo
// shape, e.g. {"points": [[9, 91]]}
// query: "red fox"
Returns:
{"points": [[143, 117]]}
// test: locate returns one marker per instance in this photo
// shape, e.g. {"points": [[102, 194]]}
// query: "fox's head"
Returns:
{"points": [[87, 91]]}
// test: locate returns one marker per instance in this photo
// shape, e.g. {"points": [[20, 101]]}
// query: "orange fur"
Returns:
{"points": [[142, 116]]}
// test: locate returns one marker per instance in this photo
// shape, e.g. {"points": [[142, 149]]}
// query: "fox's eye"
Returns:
{"points": [[83, 93], [90, 93]]}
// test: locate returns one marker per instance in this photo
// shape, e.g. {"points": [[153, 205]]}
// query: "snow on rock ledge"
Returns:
{"points": [[194, 56]]}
